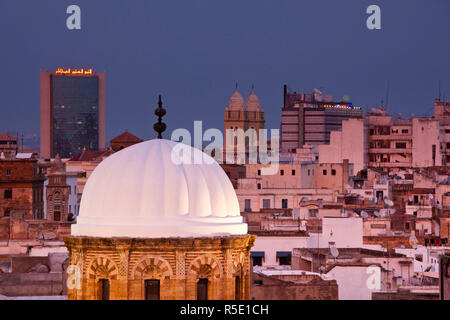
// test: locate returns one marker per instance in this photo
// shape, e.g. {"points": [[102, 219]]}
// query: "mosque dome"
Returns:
{"points": [[253, 103], [159, 189], [236, 101]]}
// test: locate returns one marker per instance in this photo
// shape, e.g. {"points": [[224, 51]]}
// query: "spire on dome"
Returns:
{"points": [[253, 103], [236, 101], [58, 165], [160, 126]]}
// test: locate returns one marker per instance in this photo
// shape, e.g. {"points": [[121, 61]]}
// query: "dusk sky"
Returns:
{"points": [[194, 51]]}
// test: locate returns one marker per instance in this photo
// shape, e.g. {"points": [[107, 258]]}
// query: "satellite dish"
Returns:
{"points": [[388, 202], [431, 196], [364, 214], [377, 213], [347, 187], [413, 241], [439, 206], [334, 251], [392, 211]]}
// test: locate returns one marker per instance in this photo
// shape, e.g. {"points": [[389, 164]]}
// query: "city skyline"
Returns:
{"points": [[196, 68]]}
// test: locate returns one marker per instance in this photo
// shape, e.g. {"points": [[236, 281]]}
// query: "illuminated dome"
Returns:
{"points": [[146, 191], [236, 101], [253, 103]]}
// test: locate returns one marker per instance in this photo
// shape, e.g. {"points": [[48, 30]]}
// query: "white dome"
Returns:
{"points": [[144, 191]]}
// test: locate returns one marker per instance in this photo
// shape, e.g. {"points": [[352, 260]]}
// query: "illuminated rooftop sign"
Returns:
{"points": [[76, 72]]}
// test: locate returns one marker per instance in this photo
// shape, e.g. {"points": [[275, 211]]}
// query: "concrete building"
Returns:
{"points": [[84, 164], [272, 284], [72, 112], [427, 143], [341, 232], [309, 118], [274, 248], [396, 143], [444, 276], [348, 143], [9, 146], [21, 188]]}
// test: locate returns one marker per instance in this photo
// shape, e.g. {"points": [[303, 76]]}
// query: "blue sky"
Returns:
{"points": [[194, 51]]}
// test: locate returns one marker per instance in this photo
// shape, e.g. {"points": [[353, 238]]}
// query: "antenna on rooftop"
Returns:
{"points": [[387, 94], [439, 89]]}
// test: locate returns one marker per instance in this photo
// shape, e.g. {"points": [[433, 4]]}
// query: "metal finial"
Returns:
{"points": [[160, 126]]}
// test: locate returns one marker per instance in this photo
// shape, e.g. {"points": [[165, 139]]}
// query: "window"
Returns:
{"points": [[284, 203], [324, 172], [309, 172], [258, 186], [103, 289], [282, 172], [266, 203], [248, 205], [257, 257], [400, 145], [293, 172], [407, 226], [284, 258], [152, 290], [202, 289], [259, 172], [333, 172], [57, 216], [8, 172], [8, 194], [371, 132], [7, 212]]}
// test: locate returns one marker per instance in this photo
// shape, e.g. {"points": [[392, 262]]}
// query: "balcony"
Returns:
{"points": [[390, 150], [389, 164]]}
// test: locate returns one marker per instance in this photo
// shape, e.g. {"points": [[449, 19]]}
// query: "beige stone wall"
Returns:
{"points": [[177, 263]]}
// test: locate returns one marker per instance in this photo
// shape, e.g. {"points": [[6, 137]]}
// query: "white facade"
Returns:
{"points": [[350, 143], [270, 245], [354, 282], [426, 143], [344, 232]]}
